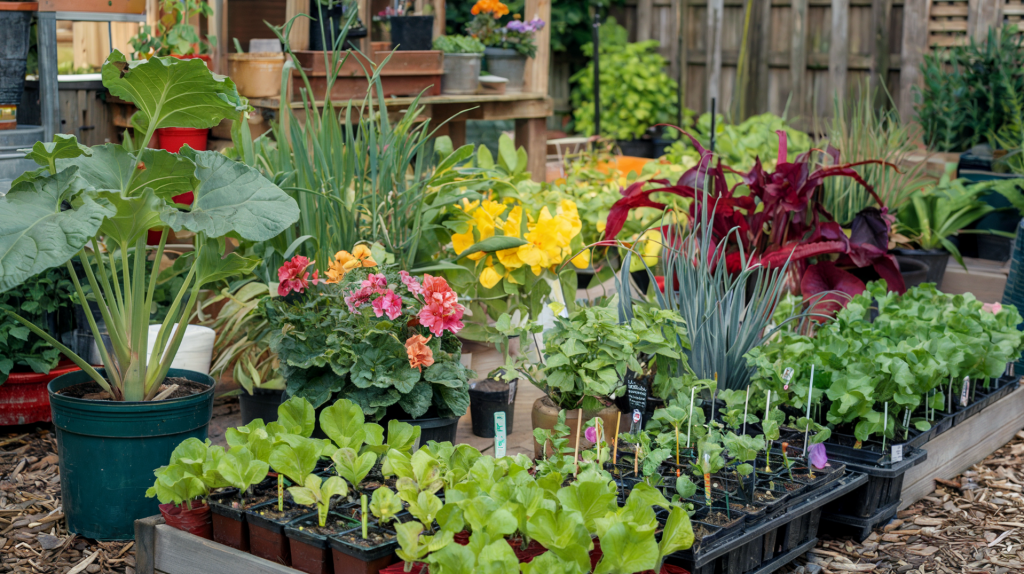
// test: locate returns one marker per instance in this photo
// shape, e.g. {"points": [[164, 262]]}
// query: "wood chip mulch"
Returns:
{"points": [[33, 534], [971, 525]]}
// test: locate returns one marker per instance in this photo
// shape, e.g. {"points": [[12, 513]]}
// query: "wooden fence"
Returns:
{"points": [[798, 54]]}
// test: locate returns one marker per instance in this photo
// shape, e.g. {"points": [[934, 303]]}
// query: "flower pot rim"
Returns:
{"points": [[31, 377], [193, 376], [294, 533], [907, 251], [256, 56], [464, 54]]}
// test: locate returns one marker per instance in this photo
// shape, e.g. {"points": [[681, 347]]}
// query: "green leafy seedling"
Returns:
{"points": [[315, 490], [385, 504]]}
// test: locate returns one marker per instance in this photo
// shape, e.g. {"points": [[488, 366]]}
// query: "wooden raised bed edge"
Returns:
{"points": [[161, 549], [967, 444]]}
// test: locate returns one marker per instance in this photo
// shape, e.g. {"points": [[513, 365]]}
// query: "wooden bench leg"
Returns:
{"points": [[532, 134], [457, 131]]}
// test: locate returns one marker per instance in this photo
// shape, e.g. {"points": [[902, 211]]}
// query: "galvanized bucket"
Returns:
{"points": [[509, 64], [461, 73]]}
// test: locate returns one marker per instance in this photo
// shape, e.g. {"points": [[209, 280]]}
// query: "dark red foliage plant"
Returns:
{"points": [[776, 219]]}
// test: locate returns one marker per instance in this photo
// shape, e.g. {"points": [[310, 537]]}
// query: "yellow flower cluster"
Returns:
{"points": [[494, 7], [549, 238], [344, 262]]}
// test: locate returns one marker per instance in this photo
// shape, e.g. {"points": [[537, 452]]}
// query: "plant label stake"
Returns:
{"points": [[767, 408], [885, 425], [966, 390], [576, 451], [362, 500], [499, 434], [615, 452], [787, 375], [707, 480], [897, 453], [745, 403], [810, 398], [689, 419], [280, 492]]}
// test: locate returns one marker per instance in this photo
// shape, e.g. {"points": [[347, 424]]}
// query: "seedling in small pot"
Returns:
{"points": [[647, 457], [352, 466], [745, 448], [316, 491], [674, 417], [191, 474], [385, 505], [295, 459], [709, 461], [253, 436], [242, 470]]}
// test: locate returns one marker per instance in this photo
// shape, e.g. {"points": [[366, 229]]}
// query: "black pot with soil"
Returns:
{"points": [[914, 271], [308, 541], [412, 32], [228, 510], [488, 397], [354, 554], [640, 147], [935, 259], [261, 404]]}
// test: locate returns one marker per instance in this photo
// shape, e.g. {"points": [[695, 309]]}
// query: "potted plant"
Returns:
{"points": [[307, 536], [581, 372], [399, 357], [116, 193], [411, 31], [932, 216], [327, 28], [508, 45], [368, 549], [630, 72], [242, 348], [257, 74], [29, 363], [175, 36], [244, 468], [16, 19], [462, 58]]}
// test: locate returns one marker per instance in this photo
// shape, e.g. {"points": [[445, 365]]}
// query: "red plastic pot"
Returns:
{"points": [[171, 139], [204, 57], [196, 521], [23, 398]]}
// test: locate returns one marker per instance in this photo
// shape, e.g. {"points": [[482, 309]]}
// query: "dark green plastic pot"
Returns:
{"points": [[109, 450]]}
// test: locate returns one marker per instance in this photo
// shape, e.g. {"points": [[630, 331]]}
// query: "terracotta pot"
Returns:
{"points": [[257, 75], [229, 527], [545, 416]]}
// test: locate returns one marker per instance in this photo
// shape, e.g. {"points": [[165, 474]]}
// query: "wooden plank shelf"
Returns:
{"points": [[967, 444], [161, 549]]}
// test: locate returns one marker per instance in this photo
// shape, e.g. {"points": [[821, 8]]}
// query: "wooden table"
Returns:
{"points": [[529, 110]]}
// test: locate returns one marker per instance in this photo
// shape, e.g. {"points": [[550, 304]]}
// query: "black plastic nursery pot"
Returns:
{"points": [[883, 487], [108, 450], [857, 527], [640, 147], [356, 559], [330, 20], [229, 527], [311, 551], [266, 530], [412, 32], [436, 429], [935, 259], [488, 397], [14, 46], [261, 404]]}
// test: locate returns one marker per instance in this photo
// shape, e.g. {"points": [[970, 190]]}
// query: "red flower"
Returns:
{"points": [[441, 310], [293, 276]]}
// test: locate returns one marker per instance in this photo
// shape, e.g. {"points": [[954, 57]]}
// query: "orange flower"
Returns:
{"points": [[493, 7], [344, 262], [419, 353]]}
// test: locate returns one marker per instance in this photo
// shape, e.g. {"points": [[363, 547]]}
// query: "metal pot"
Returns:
{"points": [[509, 64], [461, 73]]}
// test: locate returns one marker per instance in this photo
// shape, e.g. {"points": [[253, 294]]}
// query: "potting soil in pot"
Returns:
{"points": [[92, 391], [374, 537]]}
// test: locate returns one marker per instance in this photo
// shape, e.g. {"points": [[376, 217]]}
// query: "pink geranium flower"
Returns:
{"points": [[439, 318], [292, 276], [388, 303], [375, 281], [358, 298], [411, 283]]}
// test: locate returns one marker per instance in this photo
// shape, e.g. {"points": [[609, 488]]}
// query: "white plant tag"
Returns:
{"points": [[897, 453], [966, 391], [787, 375], [499, 434]]}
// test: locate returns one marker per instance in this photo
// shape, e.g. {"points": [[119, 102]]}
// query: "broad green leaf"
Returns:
{"points": [[551, 563], [678, 533], [402, 436], [241, 470], [627, 549], [352, 466], [134, 218], [397, 463], [212, 266], [343, 422], [63, 146], [425, 507], [298, 416], [564, 534], [333, 486], [411, 547], [233, 198], [295, 462], [172, 93], [190, 455], [111, 167], [174, 485], [453, 559], [493, 244], [384, 504], [591, 499], [496, 558], [36, 235]]}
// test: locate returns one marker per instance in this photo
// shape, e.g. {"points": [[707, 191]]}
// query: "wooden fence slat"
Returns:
{"points": [[798, 56], [644, 17], [713, 53], [915, 43], [881, 12], [839, 49]]}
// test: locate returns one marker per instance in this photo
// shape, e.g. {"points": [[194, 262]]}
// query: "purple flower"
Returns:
{"points": [[517, 26], [817, 456], [591, 434], [534, 25]]}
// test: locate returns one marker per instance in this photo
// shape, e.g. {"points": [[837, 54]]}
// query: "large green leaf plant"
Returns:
{"points": [[98, 204]]}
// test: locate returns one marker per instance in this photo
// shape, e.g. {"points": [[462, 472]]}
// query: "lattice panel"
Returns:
{"points": [[947, 23], [1013, 12]]}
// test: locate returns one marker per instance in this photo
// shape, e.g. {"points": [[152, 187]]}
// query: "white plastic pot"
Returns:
{"points": [[196, 350]]}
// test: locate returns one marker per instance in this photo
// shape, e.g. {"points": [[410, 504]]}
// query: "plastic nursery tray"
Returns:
{"points": [[856, 527], [883, 487], [770, 544]]}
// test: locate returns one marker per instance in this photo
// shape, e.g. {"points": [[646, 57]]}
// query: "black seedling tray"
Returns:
{"points": [[770, 544], [882, 489], [856, 527]]}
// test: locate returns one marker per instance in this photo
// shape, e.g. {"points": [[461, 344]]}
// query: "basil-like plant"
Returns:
{"points": [[99, 203]]}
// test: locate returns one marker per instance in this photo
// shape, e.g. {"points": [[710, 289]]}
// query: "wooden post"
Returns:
{"points": [[915, 45], [299, 37], [683, 69], [714, 53], [881, 10], [457, 133], [49, 102], [537, 70], [644, 20], [439, 17], [839, 50], [798, 58], [145, 547], [217, 25], [532, 134]]}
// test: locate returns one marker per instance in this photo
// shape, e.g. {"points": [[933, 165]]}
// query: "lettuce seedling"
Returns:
{"points": [[315, 490], [175, 484], [253, 436], [413, 545], [241, 470], [353, 467], [385, 505], [344, 423], [745, 448]]}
